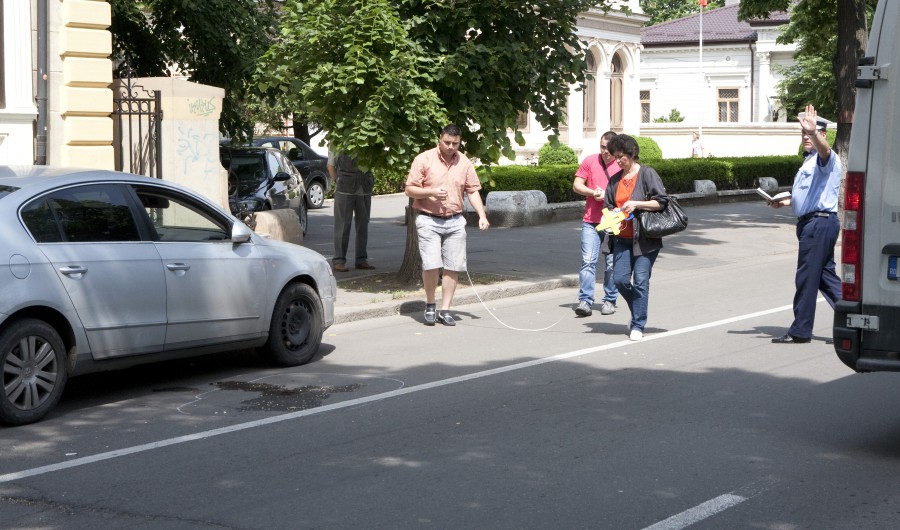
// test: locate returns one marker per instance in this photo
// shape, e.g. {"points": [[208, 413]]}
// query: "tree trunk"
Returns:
{"points": [[411, 268], [851, 46]]}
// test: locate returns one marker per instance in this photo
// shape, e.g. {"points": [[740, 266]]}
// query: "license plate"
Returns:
{"points": [[892, 268]]}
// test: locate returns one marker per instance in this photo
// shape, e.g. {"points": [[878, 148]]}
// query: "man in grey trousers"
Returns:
{"points": [[352, 197]]}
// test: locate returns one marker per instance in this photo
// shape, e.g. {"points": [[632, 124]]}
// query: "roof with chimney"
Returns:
{"points": [[720, 26]]}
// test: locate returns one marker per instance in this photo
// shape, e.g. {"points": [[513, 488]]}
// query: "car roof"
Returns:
{"points": [[247, 149], [35, 179]]}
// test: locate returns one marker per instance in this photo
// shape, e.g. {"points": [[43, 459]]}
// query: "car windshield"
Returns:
{"points": [[6, 190], [249, 172]]}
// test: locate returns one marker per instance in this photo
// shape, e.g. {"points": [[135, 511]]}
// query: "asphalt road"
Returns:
{"points": [[522, 416]]}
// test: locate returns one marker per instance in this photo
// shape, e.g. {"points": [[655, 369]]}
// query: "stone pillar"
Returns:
{"points": [[190, 135], [80, 77], [19, 113]]}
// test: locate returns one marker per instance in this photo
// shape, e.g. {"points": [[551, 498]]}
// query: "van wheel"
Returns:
{"points": [[296, 329], [33, 362]]}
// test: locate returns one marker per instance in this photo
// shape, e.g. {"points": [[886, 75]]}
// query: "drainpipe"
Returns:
{"points": [[42, 78], [752, 77]]}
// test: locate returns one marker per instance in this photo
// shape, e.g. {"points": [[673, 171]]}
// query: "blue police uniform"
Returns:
{"points": [[814, 200]]}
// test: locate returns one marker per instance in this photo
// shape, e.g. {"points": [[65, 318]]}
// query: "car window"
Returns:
{"points": [[247, 172], [97, 212], [284, 165], [177, 218], [273, 160], [6, 190]]}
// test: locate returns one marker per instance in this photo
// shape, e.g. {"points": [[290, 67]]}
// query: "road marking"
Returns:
{"points": [[698, 513], [713, 506], [42, 470]]}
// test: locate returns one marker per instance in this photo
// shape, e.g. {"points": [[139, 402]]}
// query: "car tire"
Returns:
{"points": [[296, 329], [303, 214], [33, 364], [315, 194]]}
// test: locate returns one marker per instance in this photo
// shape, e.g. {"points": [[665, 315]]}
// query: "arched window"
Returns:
{"points": [[616, 91], [590, 93]]}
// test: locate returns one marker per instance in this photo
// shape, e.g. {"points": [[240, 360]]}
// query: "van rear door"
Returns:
{"points": [[867, 320]]}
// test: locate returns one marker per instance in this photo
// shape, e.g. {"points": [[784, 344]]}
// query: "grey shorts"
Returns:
{"points": [[442, 242]]}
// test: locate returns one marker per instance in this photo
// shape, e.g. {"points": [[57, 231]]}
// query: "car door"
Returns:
{"points": [[113, 278], [215, 290]]}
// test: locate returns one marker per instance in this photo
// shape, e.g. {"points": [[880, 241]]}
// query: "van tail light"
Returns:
{"points": [[851, 236]]}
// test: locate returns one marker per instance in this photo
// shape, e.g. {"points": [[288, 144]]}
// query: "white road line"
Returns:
{"points": [[698, 513], [9, 477]]}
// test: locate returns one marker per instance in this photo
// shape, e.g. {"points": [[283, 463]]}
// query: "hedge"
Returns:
{"points": [[678, 175]]}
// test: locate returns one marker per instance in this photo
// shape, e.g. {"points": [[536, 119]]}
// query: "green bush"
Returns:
{"points": [[387, 182], [550, 155], [649, 149], [554, 181]]}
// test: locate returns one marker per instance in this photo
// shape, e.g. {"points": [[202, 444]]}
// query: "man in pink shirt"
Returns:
{"points": [[437, 181], [590, 181]]}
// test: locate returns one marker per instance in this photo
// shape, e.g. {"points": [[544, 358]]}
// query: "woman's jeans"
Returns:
{"points": [[590, 253], [632, 276]]}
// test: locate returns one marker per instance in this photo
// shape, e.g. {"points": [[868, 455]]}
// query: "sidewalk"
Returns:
{"points": [[534, 258]]}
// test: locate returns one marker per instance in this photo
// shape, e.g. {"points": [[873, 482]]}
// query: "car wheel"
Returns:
{"points": [[33, 361], [315, 194], [303, 214], [296, 329]]}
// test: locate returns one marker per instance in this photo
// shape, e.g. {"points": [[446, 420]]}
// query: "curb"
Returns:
{"points": [[464, 296]]}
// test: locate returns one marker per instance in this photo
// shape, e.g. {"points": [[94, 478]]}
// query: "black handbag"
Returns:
{"points": [[664, 222]]}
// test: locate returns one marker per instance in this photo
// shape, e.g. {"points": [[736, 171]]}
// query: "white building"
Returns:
{"points": [[642, 73]]}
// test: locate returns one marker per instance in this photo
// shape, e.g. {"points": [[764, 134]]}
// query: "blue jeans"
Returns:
{"points": [[587, 276], [632, 276]]}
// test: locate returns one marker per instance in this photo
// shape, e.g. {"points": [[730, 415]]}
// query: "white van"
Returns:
{"points": [[867, 320]]}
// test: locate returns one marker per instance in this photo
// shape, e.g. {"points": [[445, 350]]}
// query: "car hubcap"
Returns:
{"points": [[295, 325], [316, 194], [30, 373]]}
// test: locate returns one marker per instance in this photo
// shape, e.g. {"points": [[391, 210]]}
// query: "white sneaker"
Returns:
{"points": [[636, 335]]}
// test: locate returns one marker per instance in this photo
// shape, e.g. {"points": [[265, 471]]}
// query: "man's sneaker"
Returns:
{"points": [[607, 308], [636, 335], [583, 309], [446, 319], [429, 315]]}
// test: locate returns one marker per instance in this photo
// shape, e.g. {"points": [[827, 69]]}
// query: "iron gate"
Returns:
{"points": [[137, 129]]}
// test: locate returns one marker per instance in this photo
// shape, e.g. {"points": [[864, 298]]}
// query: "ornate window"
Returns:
{"points": [[616, 91], [728, 104], [590, 93], [645, 106]]}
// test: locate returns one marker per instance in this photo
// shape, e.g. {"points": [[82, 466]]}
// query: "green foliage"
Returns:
{"points": [[663, 10], [809, 80], [554, 181], [383, 77], [649, 149], [388, 181], [556, 155], [217, 41], [673, 117]]}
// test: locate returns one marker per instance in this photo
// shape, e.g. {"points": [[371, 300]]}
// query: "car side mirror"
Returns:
{"points": [[282, 176], [240, 233]]}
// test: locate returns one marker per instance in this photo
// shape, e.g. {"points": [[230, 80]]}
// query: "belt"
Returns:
{"points": [[810, 215], [452, 216]]}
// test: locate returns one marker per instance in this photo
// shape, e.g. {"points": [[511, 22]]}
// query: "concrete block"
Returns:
{"points": [[517, 208], [768, 185], [705, 187], [282, 224]]}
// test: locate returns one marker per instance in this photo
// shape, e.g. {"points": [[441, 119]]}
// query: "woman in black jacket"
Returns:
{"points": [[636, 188]]}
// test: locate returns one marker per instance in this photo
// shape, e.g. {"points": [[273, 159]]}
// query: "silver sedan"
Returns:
{"points": [[103, 270]]}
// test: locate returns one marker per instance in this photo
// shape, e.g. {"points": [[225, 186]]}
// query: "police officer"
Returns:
{"points": [[814, 200]]}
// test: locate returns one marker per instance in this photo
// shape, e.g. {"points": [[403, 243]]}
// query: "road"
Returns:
{"points": [[522, 416]]}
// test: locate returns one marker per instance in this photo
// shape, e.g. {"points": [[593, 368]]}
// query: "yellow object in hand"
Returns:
{"points": [[612, 220]]}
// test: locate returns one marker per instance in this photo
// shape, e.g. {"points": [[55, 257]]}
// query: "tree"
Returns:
{"points": [[673, 117], [382, 77], [664, 10], [811, 21], [216, 41]]}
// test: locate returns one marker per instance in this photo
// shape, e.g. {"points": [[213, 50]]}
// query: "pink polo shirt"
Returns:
{"points": [[591, 170], [458, 177]]}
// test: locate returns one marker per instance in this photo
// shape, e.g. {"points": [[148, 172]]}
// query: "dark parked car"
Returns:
{"points": [[311, 165], [262, 178], [106, 270]]}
